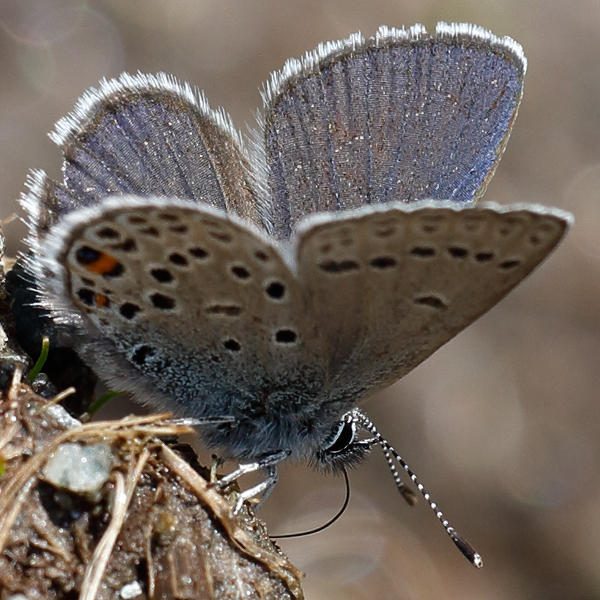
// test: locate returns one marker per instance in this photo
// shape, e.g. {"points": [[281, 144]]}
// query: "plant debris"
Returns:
{"points": [[156, 529]]}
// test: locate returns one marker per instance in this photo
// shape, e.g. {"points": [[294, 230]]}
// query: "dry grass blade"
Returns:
{"points": [[222, 511], [154, 510]]}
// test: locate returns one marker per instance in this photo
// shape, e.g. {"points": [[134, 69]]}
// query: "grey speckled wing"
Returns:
{"points": [[198, 311], [389, 285], [402, 116], [192, 309]]}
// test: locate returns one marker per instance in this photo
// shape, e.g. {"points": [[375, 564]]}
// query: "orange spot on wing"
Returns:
{"points": [[104, 265], [101, 300]]}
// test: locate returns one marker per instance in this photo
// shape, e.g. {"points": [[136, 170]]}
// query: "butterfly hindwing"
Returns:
{"points": [[193, 306], [390, 285]]}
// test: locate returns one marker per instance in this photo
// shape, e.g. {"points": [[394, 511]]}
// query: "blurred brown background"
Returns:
{"points": [[503, 424]]}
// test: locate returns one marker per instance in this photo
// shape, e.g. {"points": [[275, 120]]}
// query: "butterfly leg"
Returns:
{"points": [[263, 489], [267, 464]]}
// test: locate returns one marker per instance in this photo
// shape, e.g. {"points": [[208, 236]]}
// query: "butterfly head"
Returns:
{"points": [[344, 447]]}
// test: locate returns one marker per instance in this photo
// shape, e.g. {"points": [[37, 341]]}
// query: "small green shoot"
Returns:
{"points": [[98, 404], [41, 361]]}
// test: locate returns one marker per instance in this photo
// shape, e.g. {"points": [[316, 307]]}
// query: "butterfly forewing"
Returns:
{"points": [[202, 306], [150, 136], [401, 116], [389, 286]]}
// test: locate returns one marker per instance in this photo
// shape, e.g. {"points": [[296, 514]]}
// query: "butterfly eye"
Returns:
{"points": [[344, 437], [343, 448]]}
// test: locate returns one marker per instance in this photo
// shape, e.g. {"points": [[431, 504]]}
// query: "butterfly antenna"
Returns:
{"points": [[328, 523], [391, 455], [407, 493]]}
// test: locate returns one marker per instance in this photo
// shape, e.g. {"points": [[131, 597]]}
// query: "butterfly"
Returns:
{"points": [[270, 284]]}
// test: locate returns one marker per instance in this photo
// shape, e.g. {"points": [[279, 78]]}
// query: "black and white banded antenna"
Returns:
{"points": [[391, 455]]}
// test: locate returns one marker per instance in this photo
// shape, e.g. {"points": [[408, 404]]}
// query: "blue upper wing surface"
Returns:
{"points": [[146, 135], [402, 116]]}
